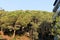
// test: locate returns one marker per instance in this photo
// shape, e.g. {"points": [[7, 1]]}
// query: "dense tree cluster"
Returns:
{"points": [[18, 22]]}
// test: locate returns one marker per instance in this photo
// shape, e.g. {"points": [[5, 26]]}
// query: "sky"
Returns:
{"points": [[44, 5]]}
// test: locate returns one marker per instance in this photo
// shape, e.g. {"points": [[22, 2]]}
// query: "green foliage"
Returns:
{"points": [[24, 17], [19, 17], [58, 24]]}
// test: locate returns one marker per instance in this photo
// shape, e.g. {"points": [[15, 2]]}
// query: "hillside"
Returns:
{"points": [[19, 22]]}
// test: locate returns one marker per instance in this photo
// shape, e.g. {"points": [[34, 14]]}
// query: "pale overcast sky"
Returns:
{"points": [[44, 5]]}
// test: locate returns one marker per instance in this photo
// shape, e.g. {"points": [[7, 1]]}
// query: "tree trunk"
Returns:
{"points": [[13, 34], [2, 31]]}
